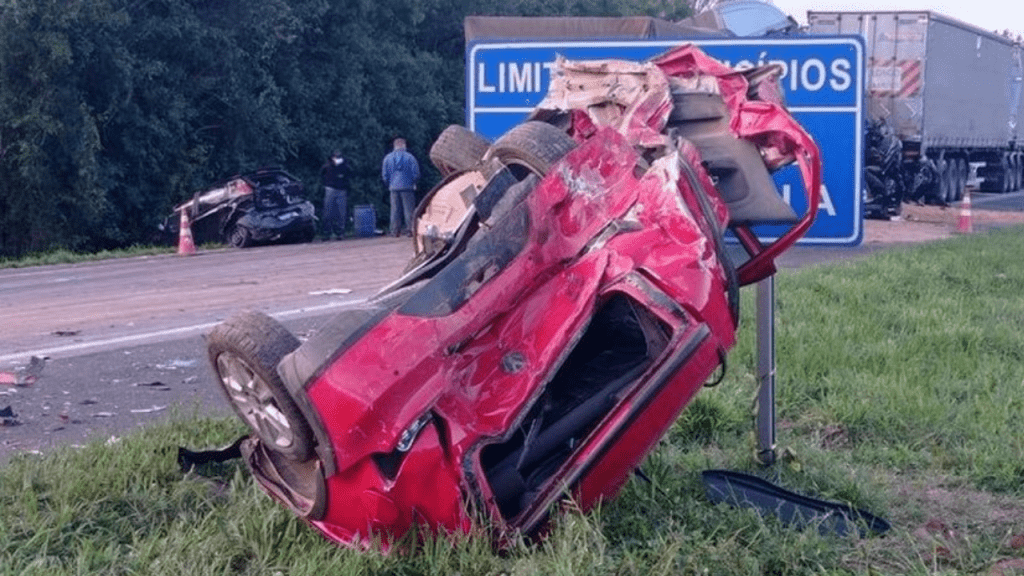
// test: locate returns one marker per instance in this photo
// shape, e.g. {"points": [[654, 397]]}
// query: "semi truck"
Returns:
{"points": [[943, 93]]}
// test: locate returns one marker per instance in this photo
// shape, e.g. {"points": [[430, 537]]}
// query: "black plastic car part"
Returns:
{"points": [[735, 164], [800, 511]]}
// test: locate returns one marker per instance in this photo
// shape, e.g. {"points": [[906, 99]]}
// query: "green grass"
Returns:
{"points": [[900, 391], [70, 257]]}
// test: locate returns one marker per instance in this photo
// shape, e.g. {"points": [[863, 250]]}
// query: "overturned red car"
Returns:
{"points": [[570, 293]]}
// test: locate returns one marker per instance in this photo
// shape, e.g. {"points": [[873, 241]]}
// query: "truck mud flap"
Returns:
{"points": [[793, 509]]}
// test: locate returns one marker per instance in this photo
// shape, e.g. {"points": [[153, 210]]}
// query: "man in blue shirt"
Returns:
{"points": [[400, 172]]}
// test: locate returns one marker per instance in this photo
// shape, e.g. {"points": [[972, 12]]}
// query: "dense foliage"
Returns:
{"points": [[113, 111]]}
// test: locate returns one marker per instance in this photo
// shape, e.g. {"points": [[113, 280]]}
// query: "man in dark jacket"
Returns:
{"points": [[334, 175], [400, 172]]}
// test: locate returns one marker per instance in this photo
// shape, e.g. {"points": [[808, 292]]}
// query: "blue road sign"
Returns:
{"points": [[823, 79]]}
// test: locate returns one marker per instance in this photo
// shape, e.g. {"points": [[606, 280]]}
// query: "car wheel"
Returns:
{"points": [[239, 236], [457, 149], [306, 235], [534, 145], [244, 352]]}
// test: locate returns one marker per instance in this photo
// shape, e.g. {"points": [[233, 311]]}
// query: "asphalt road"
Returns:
{"points": [[1013, 202], [124, 337]]}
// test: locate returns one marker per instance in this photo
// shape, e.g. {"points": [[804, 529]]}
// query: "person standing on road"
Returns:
{"points": [[400, 172], [334, 175]]}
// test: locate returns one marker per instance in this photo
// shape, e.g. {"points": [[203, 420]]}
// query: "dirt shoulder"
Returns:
{"points": [[926, 223]]}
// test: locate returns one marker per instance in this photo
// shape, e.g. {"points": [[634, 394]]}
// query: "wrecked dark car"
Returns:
{"points": [[259, 207], [571, 292]]}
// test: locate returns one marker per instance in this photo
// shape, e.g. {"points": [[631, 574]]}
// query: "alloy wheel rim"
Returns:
{"points": [[254, 400]]}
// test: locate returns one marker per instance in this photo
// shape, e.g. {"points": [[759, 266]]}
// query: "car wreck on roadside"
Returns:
{"points": [[570, 292], [259, 207]]}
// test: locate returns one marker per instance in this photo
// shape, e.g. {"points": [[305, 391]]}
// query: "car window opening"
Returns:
{"points": [[617, 347], [484, 257]]}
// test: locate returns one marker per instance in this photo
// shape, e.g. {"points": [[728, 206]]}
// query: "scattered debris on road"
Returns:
{"points": [[156, 385], [8, 417], [153, 408], [331, 292], [26, 376], [177, 364]]}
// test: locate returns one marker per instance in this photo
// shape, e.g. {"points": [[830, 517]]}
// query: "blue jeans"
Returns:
{"points": [[403, 202], [335, 212]]}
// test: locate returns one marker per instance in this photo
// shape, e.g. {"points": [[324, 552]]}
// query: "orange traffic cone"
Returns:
{"points": [[186, 247], [963, 225]]}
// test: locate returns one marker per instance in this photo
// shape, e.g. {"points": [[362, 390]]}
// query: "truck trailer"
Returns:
{"points": [[948, 94]]}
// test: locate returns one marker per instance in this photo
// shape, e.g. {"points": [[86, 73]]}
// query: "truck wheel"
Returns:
{"points": [[534, 145], [961, 179], [1011, 176], [239, 236], [952, 178], [1011, 173], [1020, 170], [942, 182], [1015, 180], [1006, 180], [457, 149], [244, 352]]}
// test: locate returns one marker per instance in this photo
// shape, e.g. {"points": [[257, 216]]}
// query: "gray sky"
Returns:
{"points": [[988, 14]]}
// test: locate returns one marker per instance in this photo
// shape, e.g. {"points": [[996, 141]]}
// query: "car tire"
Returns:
{"points": [[244, 352], [239, 236], [306, 236], [457, 149], [534, 145]]}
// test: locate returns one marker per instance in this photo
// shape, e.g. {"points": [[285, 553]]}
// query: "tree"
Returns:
{"points": [[669, 9], [50, 189], [699, 6], [113, 111]]}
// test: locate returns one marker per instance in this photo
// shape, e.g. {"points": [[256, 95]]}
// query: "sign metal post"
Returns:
{"points": [[766, 371]]}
